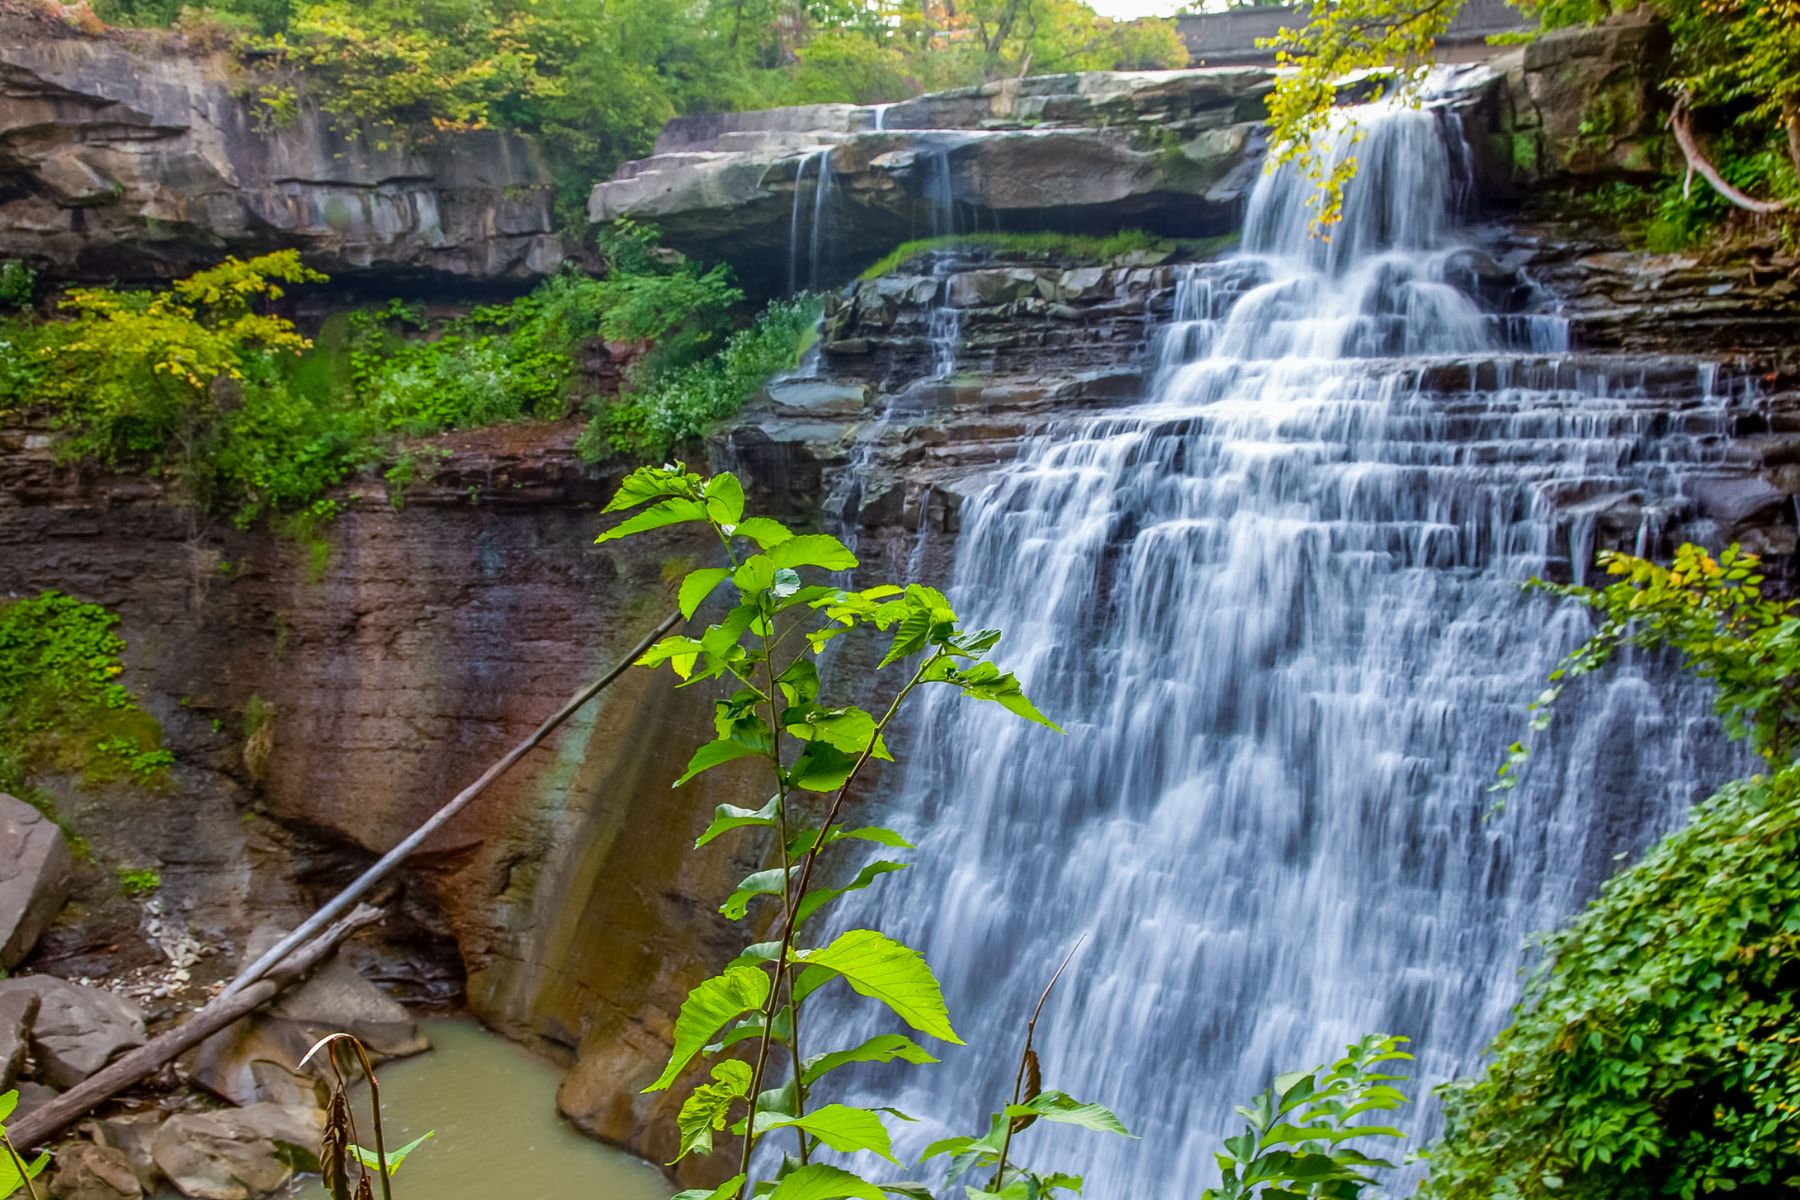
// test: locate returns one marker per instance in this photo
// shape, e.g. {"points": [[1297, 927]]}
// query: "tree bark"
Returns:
{"points": [[44, 1123], [1698, 164]]}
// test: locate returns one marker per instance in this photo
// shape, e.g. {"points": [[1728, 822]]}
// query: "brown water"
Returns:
{"points": [[493, 1107]]}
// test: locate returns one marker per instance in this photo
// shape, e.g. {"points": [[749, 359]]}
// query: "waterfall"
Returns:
{"points": [[817, 250], [1275, 605]]}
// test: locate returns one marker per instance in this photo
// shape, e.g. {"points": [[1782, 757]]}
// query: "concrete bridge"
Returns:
{"points": [[1229, 38]]}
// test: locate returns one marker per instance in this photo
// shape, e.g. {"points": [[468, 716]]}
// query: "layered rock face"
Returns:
{"points": [[132, 156], [815, 192]]}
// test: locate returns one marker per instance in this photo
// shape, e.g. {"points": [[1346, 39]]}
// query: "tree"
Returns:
{"points": [[1736, 60]]}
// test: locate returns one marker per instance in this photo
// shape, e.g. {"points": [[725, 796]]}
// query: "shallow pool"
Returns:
{"points": [[493, 1106]]}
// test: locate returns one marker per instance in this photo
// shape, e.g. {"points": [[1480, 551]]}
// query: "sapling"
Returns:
{"points": [[764, 1063]]}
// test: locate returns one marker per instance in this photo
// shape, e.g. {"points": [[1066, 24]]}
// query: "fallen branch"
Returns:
{"points": [[1698, 164], [44, 1123], [393, 858]]}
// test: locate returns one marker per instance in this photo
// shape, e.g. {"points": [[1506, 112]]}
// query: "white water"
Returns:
{"points": [[1275, 607]]}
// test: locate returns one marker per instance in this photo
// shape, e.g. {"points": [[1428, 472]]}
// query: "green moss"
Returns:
{"points": [[1059, 245], [139, 881], [61, 705]]}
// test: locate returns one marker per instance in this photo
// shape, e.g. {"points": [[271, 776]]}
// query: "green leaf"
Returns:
{"points": [[849, 729], [649, 483], [876, 966], [764, 531], [1060, 1107], [724, 499], [707, 1109], [698, 586], [8, 1102], [669, 512], [715, 754], [839, 1126], [371, 1160], [883, 1047], [727, 817], [10, 1180], [821, 767], [678, 651], [760, 883], [813, 550], [821, 1181], [818, 898], [985, 681], [725, 1191], [706, 1010], [908, 1190]]}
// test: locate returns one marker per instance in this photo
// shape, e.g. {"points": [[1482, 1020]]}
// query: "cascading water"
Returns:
{"points": [[1275, 605]]}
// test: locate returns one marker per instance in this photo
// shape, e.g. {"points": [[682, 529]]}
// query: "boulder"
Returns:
{"points": [[86, 1171], [238, 1154], [77, 1029], [253, 1061], [16, 1012], [35, 869], [134, 1136]]}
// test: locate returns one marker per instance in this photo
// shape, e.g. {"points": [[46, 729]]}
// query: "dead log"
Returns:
{"points": [[42, 1124], [1698, 164]]}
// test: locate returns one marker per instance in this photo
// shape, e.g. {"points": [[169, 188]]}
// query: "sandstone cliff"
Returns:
{"points": [[132, 155]]}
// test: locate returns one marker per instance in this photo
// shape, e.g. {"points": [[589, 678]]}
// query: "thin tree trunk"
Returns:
{"points": [[393, 858], [1698, 164], [1790, 116], [44, 1123]]}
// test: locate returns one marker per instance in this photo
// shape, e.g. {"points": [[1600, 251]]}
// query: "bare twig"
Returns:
{"points": [[1698, 163], [1025, 1057]]}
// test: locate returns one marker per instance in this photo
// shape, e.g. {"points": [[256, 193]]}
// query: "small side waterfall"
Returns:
{"points": [[817, 247], [1275, 604]]}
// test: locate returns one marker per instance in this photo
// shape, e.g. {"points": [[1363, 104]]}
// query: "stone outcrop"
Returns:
{"points": [[76, 1030], [1170, 151], [254, 1061], [238, 1154], [34, 877], [136, 155], [16, 1012], [87, 1171]]}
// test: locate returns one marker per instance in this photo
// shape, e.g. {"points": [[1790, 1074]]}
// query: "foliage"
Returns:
{"points": [[666, 407], [1294, 1143], [1739, 59], [16, 1174], [134, 371], [1710, 611], [62, 706], [1655, 1052], [18, 284], [139, 881], [244, 417], [596, 79], [774, 715]]}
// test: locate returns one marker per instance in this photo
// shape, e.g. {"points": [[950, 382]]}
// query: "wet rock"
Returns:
{"points": [[86, 1171], [1735, 500], [77, 1030], [238, 1154], [35, 869], [253, 1061], [16, 1013]]}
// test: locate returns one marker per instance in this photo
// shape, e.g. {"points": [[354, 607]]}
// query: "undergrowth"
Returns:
{"points": [[62, 707]]}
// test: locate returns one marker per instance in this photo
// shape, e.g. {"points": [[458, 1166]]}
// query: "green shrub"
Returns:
{"points": [[672, 406], [18, 284], [1657, 1050]]}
